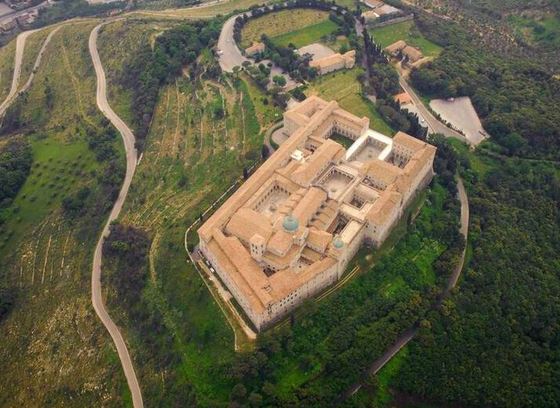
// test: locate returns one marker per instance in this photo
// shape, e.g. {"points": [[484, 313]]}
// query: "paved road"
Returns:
{"points": [[452, 282], [26, 86], [434, 125], [15, 14], [230, 55], [20, 47], [131, 159]]}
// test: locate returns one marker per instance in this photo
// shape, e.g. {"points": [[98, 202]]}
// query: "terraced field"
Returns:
{"points": [[117, 41], [52, 331]]}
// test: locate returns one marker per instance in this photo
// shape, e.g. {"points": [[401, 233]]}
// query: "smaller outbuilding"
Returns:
{"points": [[256, 48], [402, 49], [395, 48], [412, 54], [334, 62]]}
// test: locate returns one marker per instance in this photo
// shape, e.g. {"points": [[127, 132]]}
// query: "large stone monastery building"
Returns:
{"points": [[290, 230]]}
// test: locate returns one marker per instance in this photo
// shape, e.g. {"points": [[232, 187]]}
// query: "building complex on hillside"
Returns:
{"points": [[402, 50], [290, 230], [334, 62]]}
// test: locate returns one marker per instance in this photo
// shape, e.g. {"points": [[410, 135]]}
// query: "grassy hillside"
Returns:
{"points": [[52, 331], [117, 42], [32, 46], [7, 55], [284, 22], [345, 88], [408, 32]]}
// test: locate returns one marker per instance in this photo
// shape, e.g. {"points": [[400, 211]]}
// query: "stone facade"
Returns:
{"points": [[293, 226]]}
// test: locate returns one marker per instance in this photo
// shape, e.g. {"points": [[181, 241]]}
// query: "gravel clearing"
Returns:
{"points": [[461, 114]]}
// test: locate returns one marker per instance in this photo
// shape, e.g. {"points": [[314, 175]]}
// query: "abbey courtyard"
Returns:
{"points": [[290, 230]]}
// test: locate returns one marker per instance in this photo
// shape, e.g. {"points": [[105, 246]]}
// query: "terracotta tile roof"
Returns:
{"points": [[328, 151], [319, 239], [384, 207], [413, 54], [395, 47], [383, 171], [403, 98], [309, 205], [247, 222], [280, 243], [408, 141]]}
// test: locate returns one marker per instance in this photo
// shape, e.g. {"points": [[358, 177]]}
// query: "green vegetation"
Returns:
{"points": [[308, 35], [500, 326], [545, 32], [408, 32], [284, 22], [15, 163], [346, 142], [345, 87], [32, 46], [515, 97], [46, 250], [7, 55], [150, 67]]}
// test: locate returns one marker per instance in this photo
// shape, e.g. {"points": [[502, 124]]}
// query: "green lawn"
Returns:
{"points": [[408, 32], [282, 22], [59, 168], [307, 35], [344, 87]]}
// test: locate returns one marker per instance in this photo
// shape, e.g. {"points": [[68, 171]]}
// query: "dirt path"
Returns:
{"points": [[20, 47], [131, 161]]}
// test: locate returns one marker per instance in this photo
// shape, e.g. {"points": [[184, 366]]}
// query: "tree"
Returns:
{"points": [[279, 80], [238, 392]]}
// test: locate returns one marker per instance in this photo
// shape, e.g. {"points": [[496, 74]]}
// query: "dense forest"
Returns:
{"points": [[151, 67], [515, 97], [496, 341], [15, 162], [16, 159]]}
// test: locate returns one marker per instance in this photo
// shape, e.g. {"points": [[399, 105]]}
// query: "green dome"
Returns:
{"points": [[337, 242], [290, 223]]}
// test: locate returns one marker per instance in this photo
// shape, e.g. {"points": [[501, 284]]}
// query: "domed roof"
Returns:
{"points": [[337, 242], [290, 223]]}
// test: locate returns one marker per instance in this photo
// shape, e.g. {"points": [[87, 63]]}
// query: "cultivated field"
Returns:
{"points": [[408, 32], [202, 134], [52, 331], [322, 31], [344, 87], [296, 21], [202, 12]]}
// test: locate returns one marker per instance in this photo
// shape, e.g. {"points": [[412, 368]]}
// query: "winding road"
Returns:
{"points": [[410, 333], [20, 47], [131, 161], [229, 54], [434, 125]]}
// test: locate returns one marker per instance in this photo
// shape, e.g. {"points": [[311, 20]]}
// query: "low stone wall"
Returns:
{"points": [[392, 21]]}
